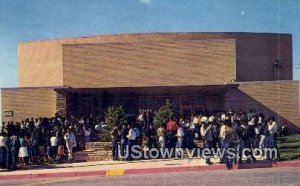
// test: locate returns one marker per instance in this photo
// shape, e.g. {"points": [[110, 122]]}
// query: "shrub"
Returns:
{"points": [[105, 136], [164, 113], [114, 116]]}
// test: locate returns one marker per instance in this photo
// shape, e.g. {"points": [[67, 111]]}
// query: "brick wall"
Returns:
{"points": [[256, 54], [149, 64], [40, 62], [279, 99], [27, 103]]}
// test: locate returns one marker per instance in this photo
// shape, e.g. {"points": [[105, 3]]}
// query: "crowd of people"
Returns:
{"points": [[51, 140], [238, 130]]}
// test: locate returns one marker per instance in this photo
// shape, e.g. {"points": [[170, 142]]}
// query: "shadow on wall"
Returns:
{"points": [[237, 100]]}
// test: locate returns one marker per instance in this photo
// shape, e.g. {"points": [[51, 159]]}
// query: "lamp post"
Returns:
{"points": [[276, 66]]}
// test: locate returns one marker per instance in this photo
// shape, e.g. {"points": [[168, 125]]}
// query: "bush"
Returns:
{"points": [[164, 113], [114, 116], [105, 136]]}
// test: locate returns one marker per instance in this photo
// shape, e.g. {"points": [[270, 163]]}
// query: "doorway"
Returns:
{"points": [[188, 111]]}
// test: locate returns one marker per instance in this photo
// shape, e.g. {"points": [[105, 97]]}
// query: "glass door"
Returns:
{"points": [[186, 112], [198, 109]]}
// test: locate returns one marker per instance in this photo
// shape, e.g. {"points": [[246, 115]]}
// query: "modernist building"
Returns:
{"points": [[197, 71]]}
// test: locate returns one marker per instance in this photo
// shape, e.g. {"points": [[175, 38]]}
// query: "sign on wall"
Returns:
{"points": [[8, 113]]}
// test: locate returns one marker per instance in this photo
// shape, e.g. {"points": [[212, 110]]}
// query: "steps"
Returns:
{"points": [[95, 151], [101, 151]]}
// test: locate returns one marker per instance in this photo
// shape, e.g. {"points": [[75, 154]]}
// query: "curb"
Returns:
{"points": [[121, 172]]}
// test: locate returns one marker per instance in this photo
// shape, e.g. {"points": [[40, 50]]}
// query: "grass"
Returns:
{"points": [[289, 147]]}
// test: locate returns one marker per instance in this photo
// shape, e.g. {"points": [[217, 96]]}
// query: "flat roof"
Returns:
{"points": [[137, 35]]}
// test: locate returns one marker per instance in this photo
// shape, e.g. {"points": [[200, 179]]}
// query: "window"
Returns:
{"points": [[192, 100]]}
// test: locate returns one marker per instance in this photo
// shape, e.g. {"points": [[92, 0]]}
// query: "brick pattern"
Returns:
{"points": [[149, 64], [27, 103], [61, 103], [277, 98], [256, 55], [40, 62], [95, 151]]}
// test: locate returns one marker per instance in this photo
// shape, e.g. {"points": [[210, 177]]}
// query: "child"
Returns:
{"points": [[23, 152], [53, 141]]}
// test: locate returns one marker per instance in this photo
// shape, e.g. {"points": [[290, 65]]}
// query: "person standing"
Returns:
{"points": [[222, 139], [273, 131], [196, 126], [215, 133], [14, 146], [171, 133], [161, 133], [23, 152], [206, 133], [124, 140], [131, 140], [230, 137], [180, 136], [53, 142], [60, 144], [3, 150], [70, 140], [115, 139], [151, 134]]}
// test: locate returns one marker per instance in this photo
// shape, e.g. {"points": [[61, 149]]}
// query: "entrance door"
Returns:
{"points": [[198, 109], [186, 112]]}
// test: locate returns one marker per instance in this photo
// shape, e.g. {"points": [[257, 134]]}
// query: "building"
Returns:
{"points": [[197, 71]]}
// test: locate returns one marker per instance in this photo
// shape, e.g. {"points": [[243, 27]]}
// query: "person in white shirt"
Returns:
{"points": [[70, 140], [206, 133], [87, 133], [37, 123], [131, 140], [3, 150], [53, 142], [196, 124], [273, 130], [204, 119], [131, 134], [180, 135], [3, 139], [211, 118], [273, 127], [141, 117]]}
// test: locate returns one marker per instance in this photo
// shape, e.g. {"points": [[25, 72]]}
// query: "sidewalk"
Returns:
{"points": [[114, 168]]}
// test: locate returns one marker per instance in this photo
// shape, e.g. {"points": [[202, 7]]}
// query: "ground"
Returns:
{"points": [[289, 147], [267, 176]]}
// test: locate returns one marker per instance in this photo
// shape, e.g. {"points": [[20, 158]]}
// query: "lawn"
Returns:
{"points": [[289, 147]]}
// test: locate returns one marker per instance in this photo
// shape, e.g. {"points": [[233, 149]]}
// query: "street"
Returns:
{"points": [[266, 176]]}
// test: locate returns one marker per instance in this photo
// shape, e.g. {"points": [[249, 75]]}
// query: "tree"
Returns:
{"points": [[164, 113], [115, 116]]}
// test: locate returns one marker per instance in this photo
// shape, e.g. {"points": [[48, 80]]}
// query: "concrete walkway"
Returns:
{"points": [[114, 168]]}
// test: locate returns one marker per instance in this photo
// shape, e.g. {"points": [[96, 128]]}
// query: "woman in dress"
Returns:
{"points": [[23, 152]]}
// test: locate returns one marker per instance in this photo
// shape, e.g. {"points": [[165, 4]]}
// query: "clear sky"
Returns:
{"points": [[26, 20]]}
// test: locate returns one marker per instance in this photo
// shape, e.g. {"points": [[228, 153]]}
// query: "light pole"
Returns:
{"points": [[276, 66]]}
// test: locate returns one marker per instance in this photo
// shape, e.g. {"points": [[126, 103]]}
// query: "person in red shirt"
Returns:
{"points": [[171, 126], [171, 132]]}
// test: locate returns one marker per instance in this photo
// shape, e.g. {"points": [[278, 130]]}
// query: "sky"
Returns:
{"points": [[29, 20]]}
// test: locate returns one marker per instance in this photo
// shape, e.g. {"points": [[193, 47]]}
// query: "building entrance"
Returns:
{"points": [[191, 110]]}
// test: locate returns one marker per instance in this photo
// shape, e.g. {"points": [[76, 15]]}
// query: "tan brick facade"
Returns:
{"points": [[149, 64], [41, 63], [277, 98], [28, 102]]}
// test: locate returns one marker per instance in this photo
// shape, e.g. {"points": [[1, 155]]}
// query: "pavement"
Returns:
{"points": [[119, 168], [264, 176]]}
